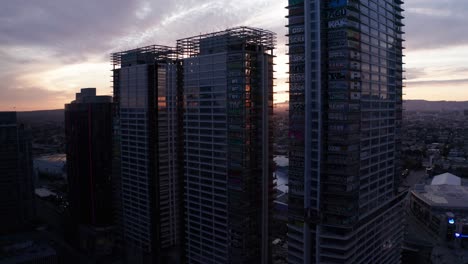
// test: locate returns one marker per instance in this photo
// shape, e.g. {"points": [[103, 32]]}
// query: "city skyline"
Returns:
{"points": [[205, 132], [49, 49]]}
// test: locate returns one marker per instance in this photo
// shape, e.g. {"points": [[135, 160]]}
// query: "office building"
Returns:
{"points": [[345, 119], [437, 207], [436, 229], [228, 101], [147, 130], [16, 175], [88, 130]]}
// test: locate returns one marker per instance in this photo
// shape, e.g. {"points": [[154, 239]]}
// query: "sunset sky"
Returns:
{"points": [[49, 49]]}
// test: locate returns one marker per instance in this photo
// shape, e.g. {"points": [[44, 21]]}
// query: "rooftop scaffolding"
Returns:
{"points": [[143, 55], [190, 47]]}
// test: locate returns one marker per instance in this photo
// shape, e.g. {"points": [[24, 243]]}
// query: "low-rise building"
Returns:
{"points": [[441, 209]]}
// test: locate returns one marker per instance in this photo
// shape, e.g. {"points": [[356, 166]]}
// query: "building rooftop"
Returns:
{"points": [[441, 254], [24, 249], [281, 161], [88, 95], [7, 118], [453, 196], [142, 55], [44, 192], [446, 178], [218, 41]]}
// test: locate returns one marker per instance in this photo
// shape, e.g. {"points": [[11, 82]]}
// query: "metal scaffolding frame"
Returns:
{"points": [[190, 47], [157, 52]]}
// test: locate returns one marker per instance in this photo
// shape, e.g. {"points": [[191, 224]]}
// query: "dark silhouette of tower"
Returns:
{"points": [[16, 177], [147, 154], [88, 130]]}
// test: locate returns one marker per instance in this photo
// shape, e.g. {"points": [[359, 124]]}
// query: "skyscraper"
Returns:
{"points": [[88, 130], [345, 117], [147, 130], [228, 100], [16, 174]]}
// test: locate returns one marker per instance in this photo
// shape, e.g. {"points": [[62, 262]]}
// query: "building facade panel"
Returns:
{"points": [[148, 129], [228, 99], [345, 112]]}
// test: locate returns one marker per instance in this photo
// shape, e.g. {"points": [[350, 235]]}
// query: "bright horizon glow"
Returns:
{"points": [[44, 68]]}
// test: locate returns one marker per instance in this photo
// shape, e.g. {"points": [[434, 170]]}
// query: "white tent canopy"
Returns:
{"points": [[446, 178]]}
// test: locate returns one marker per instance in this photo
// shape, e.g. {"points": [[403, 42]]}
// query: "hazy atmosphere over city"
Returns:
{"points": [[248, 131], [51, 48]]}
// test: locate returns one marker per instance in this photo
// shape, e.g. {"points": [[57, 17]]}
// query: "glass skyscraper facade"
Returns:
{"points": [[345, 120], [228, 100], [147, 127]]}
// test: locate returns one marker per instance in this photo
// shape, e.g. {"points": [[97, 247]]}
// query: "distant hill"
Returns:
{"points": [[437, 106], [57, 116], [42, 116], [408, 105]]}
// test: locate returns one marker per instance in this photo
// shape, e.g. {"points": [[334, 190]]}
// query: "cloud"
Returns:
{"points": [[436, 54], [434, 73], [414, 73], [39, 38], [436, 90], [66, 28], [55, 45], [32, 98], [89, 27], [438, 82], [435, 24]]}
